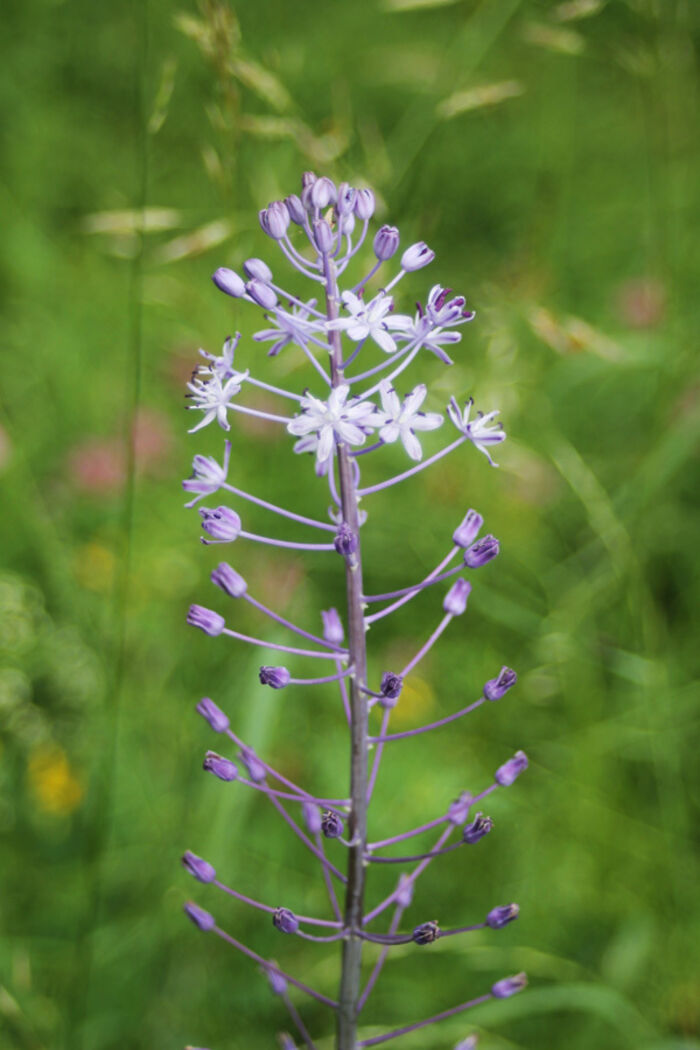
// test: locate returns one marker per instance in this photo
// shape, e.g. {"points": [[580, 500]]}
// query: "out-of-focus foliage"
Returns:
{"points": [[548, 152]]}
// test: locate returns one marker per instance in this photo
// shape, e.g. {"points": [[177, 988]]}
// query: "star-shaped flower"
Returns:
{"points": [[334, 420], [221, 367], [372, 319], [402, 420], [293, 327], [477, 430], [213, 396]]}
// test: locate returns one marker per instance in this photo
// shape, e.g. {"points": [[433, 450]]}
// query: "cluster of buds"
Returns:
{"points": [[353, 413]]}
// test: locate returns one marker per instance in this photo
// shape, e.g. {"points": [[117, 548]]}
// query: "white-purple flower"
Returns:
{"points": [[479, 431], [213, 397], [402, 420], [291, 327], [207, 475], [371, 319], [333, 420], [420, 332], [221, 367]]}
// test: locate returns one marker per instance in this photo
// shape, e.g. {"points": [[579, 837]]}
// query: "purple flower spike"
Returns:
{"points": [[417, 256], [512, 769], [275, 219], [467, 532], [391, 687], [332, 626], [345, 541], [285, 921], [206, 619], [229, 282], [230, 582], [497, 918], [222, 524], [275, 677], [509, 986], [254, 767], [323, 235], [481, 552], [278, 984], [479, 827], [199, 916], [426, 933], [459, 809], [296, 209], [261, 294], [456, 598], [495, 688], [364, 204], [221, 767], [257, 269], [213, 715], [312, 817], [386, 242], [198, 868], [331, 824]]}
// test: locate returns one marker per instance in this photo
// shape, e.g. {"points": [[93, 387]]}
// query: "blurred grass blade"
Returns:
{"points": [[477, 97], [196, 242]]}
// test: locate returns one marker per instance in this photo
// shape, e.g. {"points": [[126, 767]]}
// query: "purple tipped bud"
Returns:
{"points": [[417, 256], [199, 916], [345, 541], [213, 714], [276, 677], [346, 199], [221, 767], [364, 204], [285, 920], [323, 235], [390, 688], [509, 986], [459, 809], [257, 269], [386, 242], [312, 816], [481, 552], [479, 827], [467, 532], [275, 219], [332, 627], [261, 294], [295, 209], [456, 598], [229, 282], [198, 868], [331, 824], [495, 688], [255, 769], [278, 983], [404, 891], [512, 769], [426, 933], [308, 179], [323, 192], [470, 1043], [230, 582], [497, 918], [206, 619], [222, 523]]}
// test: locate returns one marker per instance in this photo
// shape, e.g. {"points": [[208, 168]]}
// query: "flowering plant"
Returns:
{"points": [[355, 413]]}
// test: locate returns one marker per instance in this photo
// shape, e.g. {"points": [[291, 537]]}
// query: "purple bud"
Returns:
{"points": [[345, 541], [257, 269], [364, 204], [456, 598], [222, 523], [331, 824], [459, 809], [497, 918], [346, 199], [404, 891], [199, 916], [346, 224], [509, 986], [256, 770], [308, 179], [323, 235], [200, 869], [286, 1042], [390, 688], [206, 619], [276, 677], [229, 282], [221, 767], [230, 582], [417, 256], [479, 827], [278, 982], [261, 294], [312, 817], [481, 552], [512, 769], [295, 209], [285, 920], [426, 933], [386, 242], [470, 1043], [275, 219], [213, 714], [467, 532], [495, 688], [332, 627], [323, 192]]}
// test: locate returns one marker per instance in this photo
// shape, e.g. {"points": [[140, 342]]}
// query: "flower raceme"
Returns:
{"points": [[347, 414]]}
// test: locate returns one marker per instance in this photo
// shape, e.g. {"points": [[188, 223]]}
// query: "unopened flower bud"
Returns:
{"points": [[312, 817], [467, 532], [261, 294], [386, 242], [331, 824], [285, 1041], [276, 677], [222, 523], [481, 552], [199, 916], [206, 619], [275, 219], [296, 209], [256, 770], [479, 827], [323, 235], [364, 204], [495, 688], [497, 918], [285, 920], [417, 256], [455, 601], [230, 581], [404, 891], [470, 1043], [221, 767], [198, 868], [426, 933], [257, 269], [323, 192], [308, 179], [345, 541], [390, 688], [229, 282], [332, 627], [459, 809], [277, 981], [346, 224], [346, 199], [511, 770], [213, 715], [509, 986]]}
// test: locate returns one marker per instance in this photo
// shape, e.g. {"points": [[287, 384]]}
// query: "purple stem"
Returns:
{"points": [[270, 910], [332, 896], [278, 647], [414, 470], [367, 277], [298, 302], [396, 356], [428, 645], [273, 389], [422, 1024], [305, 796], [378, 755], [278, 510], [307, 842], [414, 588], [292, 798], [402, 601], [417, 871], [407, 834], [292, 627], [426, 729], [349, 360], [301, 1027], [319, 940], [392, 375], [279, 543], [380, 961], [321, 681], [256, 412], [417, 856], [344, 693], [370, 448]]}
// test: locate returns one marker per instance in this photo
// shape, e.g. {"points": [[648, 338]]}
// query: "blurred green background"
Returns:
{"points": [[547, 152]]}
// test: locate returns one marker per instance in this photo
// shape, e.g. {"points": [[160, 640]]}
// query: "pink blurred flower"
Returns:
{"points": [[641, 302]]}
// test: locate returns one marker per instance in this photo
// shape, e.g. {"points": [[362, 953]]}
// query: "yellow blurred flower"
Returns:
{"points": [[52, 780], [415, 704], [94, 567]]}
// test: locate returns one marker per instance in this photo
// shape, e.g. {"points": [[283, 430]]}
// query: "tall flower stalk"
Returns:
{"points": [[355, 413]]}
